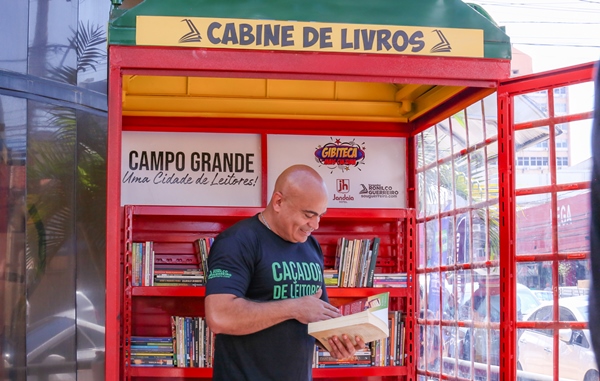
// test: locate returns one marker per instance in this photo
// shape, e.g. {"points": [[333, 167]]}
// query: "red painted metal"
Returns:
{"points": [[113, 226], [508, 258], [452, 71], [265, 126], [456, 71], [548, 80], [173, 228], [265, 197], [507, 203]]}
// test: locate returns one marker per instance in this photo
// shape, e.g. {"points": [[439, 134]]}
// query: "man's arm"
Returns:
{"points": [[233, 315]]}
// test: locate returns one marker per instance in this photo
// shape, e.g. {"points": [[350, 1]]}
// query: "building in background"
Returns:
{"points": [[53, 119]]}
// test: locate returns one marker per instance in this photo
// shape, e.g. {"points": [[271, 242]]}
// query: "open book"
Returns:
{"points": [[365, 317]]}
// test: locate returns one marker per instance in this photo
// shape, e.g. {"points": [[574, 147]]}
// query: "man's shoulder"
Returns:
{"points": [[243, 229]]}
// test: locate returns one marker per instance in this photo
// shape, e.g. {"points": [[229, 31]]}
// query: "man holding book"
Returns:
{"points": [[266, 284]]}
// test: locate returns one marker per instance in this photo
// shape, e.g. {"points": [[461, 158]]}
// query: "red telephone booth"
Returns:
{"points": [[428, 83]]}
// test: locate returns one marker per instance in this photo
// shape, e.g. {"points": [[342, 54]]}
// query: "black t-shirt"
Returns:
{"points": [[250, 261]]}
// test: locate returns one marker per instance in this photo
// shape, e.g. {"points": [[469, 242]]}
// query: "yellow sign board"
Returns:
{"points": [[200, 32]]}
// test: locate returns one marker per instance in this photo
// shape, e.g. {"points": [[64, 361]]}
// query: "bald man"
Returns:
{"points": [[266, 284]]}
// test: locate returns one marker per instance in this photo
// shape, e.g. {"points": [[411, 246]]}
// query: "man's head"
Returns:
{"points": [[297, 204]]}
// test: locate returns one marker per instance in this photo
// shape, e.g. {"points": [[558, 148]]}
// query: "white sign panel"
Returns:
{"points": [[196, 169], [360, 172]]}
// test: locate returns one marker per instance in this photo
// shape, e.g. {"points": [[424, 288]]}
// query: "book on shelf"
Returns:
{"points": [[202, 247], [324, 359], [390, 280], [142, 263], [365, 317], [355, 261], [373, 261], [330, 277], [151, 351], [192, 342]]}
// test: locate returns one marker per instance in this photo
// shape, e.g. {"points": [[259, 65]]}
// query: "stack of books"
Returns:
{"points": [[151, 351], [183, 277], [390, 280]]}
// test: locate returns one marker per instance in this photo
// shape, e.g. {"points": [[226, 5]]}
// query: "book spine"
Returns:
{"points": [[373, 261]]}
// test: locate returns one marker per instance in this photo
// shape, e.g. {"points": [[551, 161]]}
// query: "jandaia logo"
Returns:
{"points": [[341, 155]]}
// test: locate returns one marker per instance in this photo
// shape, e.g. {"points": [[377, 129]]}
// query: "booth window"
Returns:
{"points": [[552, 233], [457, 266]]}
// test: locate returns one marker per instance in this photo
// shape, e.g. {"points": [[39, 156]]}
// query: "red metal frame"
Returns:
{"points": [[508, 290], [457, 71], [161, 223], [508, 204], [124, 60]]}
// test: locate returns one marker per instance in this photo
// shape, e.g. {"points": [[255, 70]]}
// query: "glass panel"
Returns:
{"points": [[532, 157], [478, 225], [459, 137], [13, 129], [432, 195], [492, 171], [573, 218], [494, 231], [461, 181], [448, 296], [573, 158], [537, 277], [452, 236], [422, 193], [51, 246], [535, 347], [478, 176], [429, 147], [475, 124], [480, 343], [448, 240], [463, 238], [428, 334], [490, 113], [578, 98], [433, 244], [13, 132], [534, 224], [527, 299], [573, 278], [91, 238], [446, 186], [443, 141], [450, 350], [52, 35], [422, 240], [92, 68], [13, 18], [576, 360], [420, 158], [530, 107]]}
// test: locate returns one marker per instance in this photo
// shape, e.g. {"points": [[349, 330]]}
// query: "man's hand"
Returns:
{"points": [[311, 308], [342, 348]]}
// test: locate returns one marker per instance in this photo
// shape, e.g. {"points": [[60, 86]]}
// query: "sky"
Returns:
{"points": [[555, 33]]}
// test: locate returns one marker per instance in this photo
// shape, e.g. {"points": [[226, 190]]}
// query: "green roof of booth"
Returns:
{"points": [[406, 13]]}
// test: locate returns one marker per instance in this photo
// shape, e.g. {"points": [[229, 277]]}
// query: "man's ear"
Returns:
{"points": [[276, 201]]}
